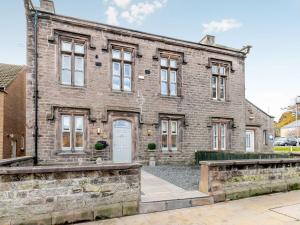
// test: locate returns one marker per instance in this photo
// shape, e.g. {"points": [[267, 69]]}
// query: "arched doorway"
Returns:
{"points": [[122, 141]]}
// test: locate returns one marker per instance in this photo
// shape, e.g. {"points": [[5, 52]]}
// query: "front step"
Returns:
{"points": [[163, 205]]}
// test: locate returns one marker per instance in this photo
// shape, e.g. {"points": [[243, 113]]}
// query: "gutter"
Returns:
{"points": [[36, 90]]}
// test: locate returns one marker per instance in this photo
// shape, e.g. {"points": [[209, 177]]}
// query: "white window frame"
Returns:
{"points": [[215, 136], [66, 131], [169, 69], [78, 131], [174, 134], [116, 75], [166, 122], [223, 128], [163, 81], [216, 86], [220, 72]]}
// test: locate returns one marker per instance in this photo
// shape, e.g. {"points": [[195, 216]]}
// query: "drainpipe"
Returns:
{"points": [[36, 90]]}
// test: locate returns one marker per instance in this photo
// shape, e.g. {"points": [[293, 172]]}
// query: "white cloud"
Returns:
{"points": [[139, 11], [122, 3], [112, 15], [221, 26]]}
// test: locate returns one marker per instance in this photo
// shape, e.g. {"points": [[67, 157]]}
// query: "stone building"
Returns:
{"points": [[259, 129], [12, 110], [95, 82]]}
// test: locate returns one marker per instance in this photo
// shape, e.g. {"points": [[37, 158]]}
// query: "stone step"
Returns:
{"points": [[158, 206]]}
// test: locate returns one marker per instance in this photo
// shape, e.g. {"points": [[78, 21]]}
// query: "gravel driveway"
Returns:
{"points": [[186, 177]]}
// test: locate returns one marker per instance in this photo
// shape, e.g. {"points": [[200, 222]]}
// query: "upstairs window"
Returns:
{"points": [[218, 81], [122, 69], [168, 76], [72, 62]]}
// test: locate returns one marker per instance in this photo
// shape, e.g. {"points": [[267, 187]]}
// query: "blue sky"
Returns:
{"points": [[271, 27]]}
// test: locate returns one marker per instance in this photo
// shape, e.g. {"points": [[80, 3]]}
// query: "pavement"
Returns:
{"points": [[273, 209], [156, 189]]}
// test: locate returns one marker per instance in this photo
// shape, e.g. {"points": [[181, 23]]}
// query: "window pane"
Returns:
{"points": [[79, 123], [127, 56], [164, 126], [127, 84], [66, 77], [116, 69], [174, 142], [173, 77], [214, 86], [222, 70], [214, 69], [174, 127], [66, 122], [222, 87], [164, 75], [173, 89], [164, 62], [116, 54], [66, 46], [164, 88], [79, 63], [79, 140], [66, 140], [116, 83], [79, 48], [66, 61], [164, 142], [215, 136], [127, 70], [173, 63], [223, 136], [79, 78]]}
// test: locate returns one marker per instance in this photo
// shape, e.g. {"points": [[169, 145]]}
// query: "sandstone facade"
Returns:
{"points": [[144, 106]]}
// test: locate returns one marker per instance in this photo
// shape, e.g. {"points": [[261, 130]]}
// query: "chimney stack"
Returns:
{"points": [[47, 5], [208, 40]]}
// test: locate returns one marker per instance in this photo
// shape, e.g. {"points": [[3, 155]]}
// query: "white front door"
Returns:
{"points": [[122, 140], [249, 140]]}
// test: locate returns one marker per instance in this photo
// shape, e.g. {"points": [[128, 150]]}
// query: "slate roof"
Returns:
{"points": [[8, 73]]}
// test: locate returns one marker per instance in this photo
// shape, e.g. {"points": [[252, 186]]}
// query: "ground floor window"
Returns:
{"points": [[169, 134], [219, 136], [72, 132]]}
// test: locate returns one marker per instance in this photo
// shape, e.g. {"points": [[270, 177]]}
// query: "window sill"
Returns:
{"points": [[69, 152], [170, 96], [73, 87], [220, 101], [122, 92]]}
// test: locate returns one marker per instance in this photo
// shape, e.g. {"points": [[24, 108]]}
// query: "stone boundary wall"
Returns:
{"points": [[235, 179], [18, 161], [66, 194]]}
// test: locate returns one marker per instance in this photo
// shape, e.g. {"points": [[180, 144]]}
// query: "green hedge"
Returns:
{"points": [[225, 155], [286, 149]]}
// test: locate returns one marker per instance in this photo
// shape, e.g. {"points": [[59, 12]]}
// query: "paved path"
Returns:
{"points": [[275, 209], [157, 189]]}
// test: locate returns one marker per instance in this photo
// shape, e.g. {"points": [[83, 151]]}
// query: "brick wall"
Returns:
{"points": [[60, 195], [235, 179], [14, 116], [195, 103]]}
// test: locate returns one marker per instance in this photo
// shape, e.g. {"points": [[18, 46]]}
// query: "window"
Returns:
{"points": [[169, 133], [72, 62], [122, 69], [218, 81], [168, 76], [265, 137], [219, 136], [72, 130]]}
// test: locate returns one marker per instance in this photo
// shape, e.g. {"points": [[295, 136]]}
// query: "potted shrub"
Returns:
{"points": [[99, 146], [151, 147]]}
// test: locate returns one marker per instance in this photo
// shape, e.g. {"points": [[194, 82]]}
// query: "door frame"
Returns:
{"points": [[112, 152]]}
